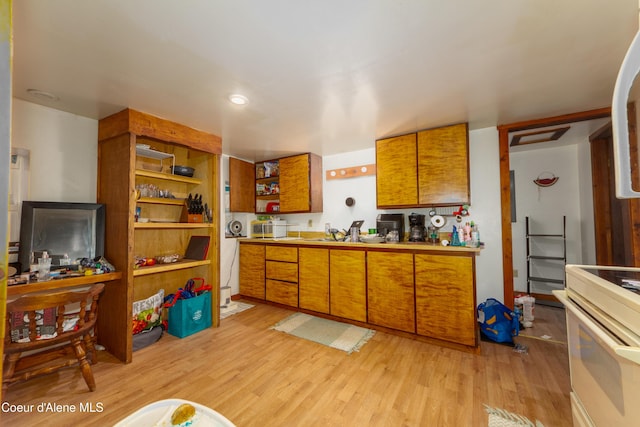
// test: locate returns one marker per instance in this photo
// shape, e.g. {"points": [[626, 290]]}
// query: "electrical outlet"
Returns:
{"points": [[515, 273], [310, 223]]}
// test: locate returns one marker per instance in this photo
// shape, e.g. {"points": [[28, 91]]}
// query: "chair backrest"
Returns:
{"points": [[25, 312]]}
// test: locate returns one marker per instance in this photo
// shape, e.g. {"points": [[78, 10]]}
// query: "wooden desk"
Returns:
{"points": [[115, 339], [71, 282]]}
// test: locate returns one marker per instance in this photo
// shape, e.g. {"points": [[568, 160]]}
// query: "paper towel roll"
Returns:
{"points": [[438, 221]]}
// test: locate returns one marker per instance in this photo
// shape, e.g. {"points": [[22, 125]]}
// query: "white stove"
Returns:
{"points": [[603, 336]]}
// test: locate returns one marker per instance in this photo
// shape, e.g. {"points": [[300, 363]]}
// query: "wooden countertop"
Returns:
{"points": [[412, 246]]}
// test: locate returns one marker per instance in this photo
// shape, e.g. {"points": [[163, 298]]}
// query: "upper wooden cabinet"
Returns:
{"points": [[443, 166], [301, 183], [427, 168], [287, 185], [242, 190], [397, 171]]}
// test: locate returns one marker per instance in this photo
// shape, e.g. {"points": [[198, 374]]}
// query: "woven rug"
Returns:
{"points": [[235, 307], [501, 418], [341, 336]]}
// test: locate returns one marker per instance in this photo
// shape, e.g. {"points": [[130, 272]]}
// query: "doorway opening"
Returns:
{"points": [[532, 129]]}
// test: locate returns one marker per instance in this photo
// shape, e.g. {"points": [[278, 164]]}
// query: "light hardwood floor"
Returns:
{"points": [[259, 377]]}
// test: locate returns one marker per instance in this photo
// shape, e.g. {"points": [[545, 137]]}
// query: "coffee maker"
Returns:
{"points": [[417, 230]]}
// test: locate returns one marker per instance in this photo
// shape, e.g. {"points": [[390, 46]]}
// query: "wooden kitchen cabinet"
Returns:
{"points": [[313, 279], [445, 298], [443, 166], [424, 290], [396, 172], [293, 184], [136, 149], [301, 183], [252, 270], [390, 292], [281, 272], [348, 284], [242, 189], [424, 169]]}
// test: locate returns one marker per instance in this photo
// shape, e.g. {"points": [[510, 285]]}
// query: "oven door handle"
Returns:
{"points": [[628, 352]]}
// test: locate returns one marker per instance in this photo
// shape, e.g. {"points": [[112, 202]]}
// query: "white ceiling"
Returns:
{"points": [[327, 76]]}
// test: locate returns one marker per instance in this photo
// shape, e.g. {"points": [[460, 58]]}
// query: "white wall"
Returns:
{"points": [[486, 211], [63, 152], [545, 207]]}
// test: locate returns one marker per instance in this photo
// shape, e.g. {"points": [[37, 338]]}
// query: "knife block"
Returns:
{"points": [[185, 216]]}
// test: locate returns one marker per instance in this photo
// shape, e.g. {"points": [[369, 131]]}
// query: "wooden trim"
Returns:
{"points": [[557, 120], [351, 172], [601, 196], [505, 197], [505, 192], [143, 124]]}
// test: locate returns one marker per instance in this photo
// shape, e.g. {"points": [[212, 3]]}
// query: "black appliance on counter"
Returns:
{"points": [[417, 230], [390, 222]]}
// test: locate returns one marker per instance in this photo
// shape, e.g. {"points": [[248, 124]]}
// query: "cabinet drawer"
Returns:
{"points": [[286, 271], [279, 253], [282, 292]]}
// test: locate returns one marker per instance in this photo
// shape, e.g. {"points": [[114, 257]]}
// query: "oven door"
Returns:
{"points": [[605, 371]]}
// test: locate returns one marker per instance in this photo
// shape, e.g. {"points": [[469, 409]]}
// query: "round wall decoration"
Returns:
{"points": [[546, 179]]}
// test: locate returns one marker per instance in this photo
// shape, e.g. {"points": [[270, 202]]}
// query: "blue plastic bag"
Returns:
{"points": [[497, 321]]}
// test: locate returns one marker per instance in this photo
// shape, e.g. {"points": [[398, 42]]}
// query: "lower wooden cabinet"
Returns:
{"points": [[347, 284], [282, 292], [252, 271], [281, 269], [313, 279], [423, 292], [445, 298], [390, 294]]}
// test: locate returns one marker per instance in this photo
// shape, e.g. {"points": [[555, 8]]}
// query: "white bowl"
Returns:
{"points": [[371, 239]]}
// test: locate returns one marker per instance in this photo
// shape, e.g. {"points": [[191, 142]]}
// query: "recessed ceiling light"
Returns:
{"points": [[47, 96], [238, 99]]}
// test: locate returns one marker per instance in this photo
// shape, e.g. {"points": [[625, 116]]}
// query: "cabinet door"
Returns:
{"points": [[445, 298], [390, 291], [443, 166], [313, 279], [347, 284], [396, 170], [242, 186], [294, 184], [252, 268]]}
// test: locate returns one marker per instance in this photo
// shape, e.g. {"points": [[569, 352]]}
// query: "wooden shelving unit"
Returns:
{"points": [[120, 138]]}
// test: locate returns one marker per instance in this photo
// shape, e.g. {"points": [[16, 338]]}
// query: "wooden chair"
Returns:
{"points": [[35, 357]]}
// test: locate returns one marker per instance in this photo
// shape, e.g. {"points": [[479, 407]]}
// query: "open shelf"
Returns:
{"points": [[161, 201], [168, 176], [557, 261], [162, 268], [172, 225]]}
